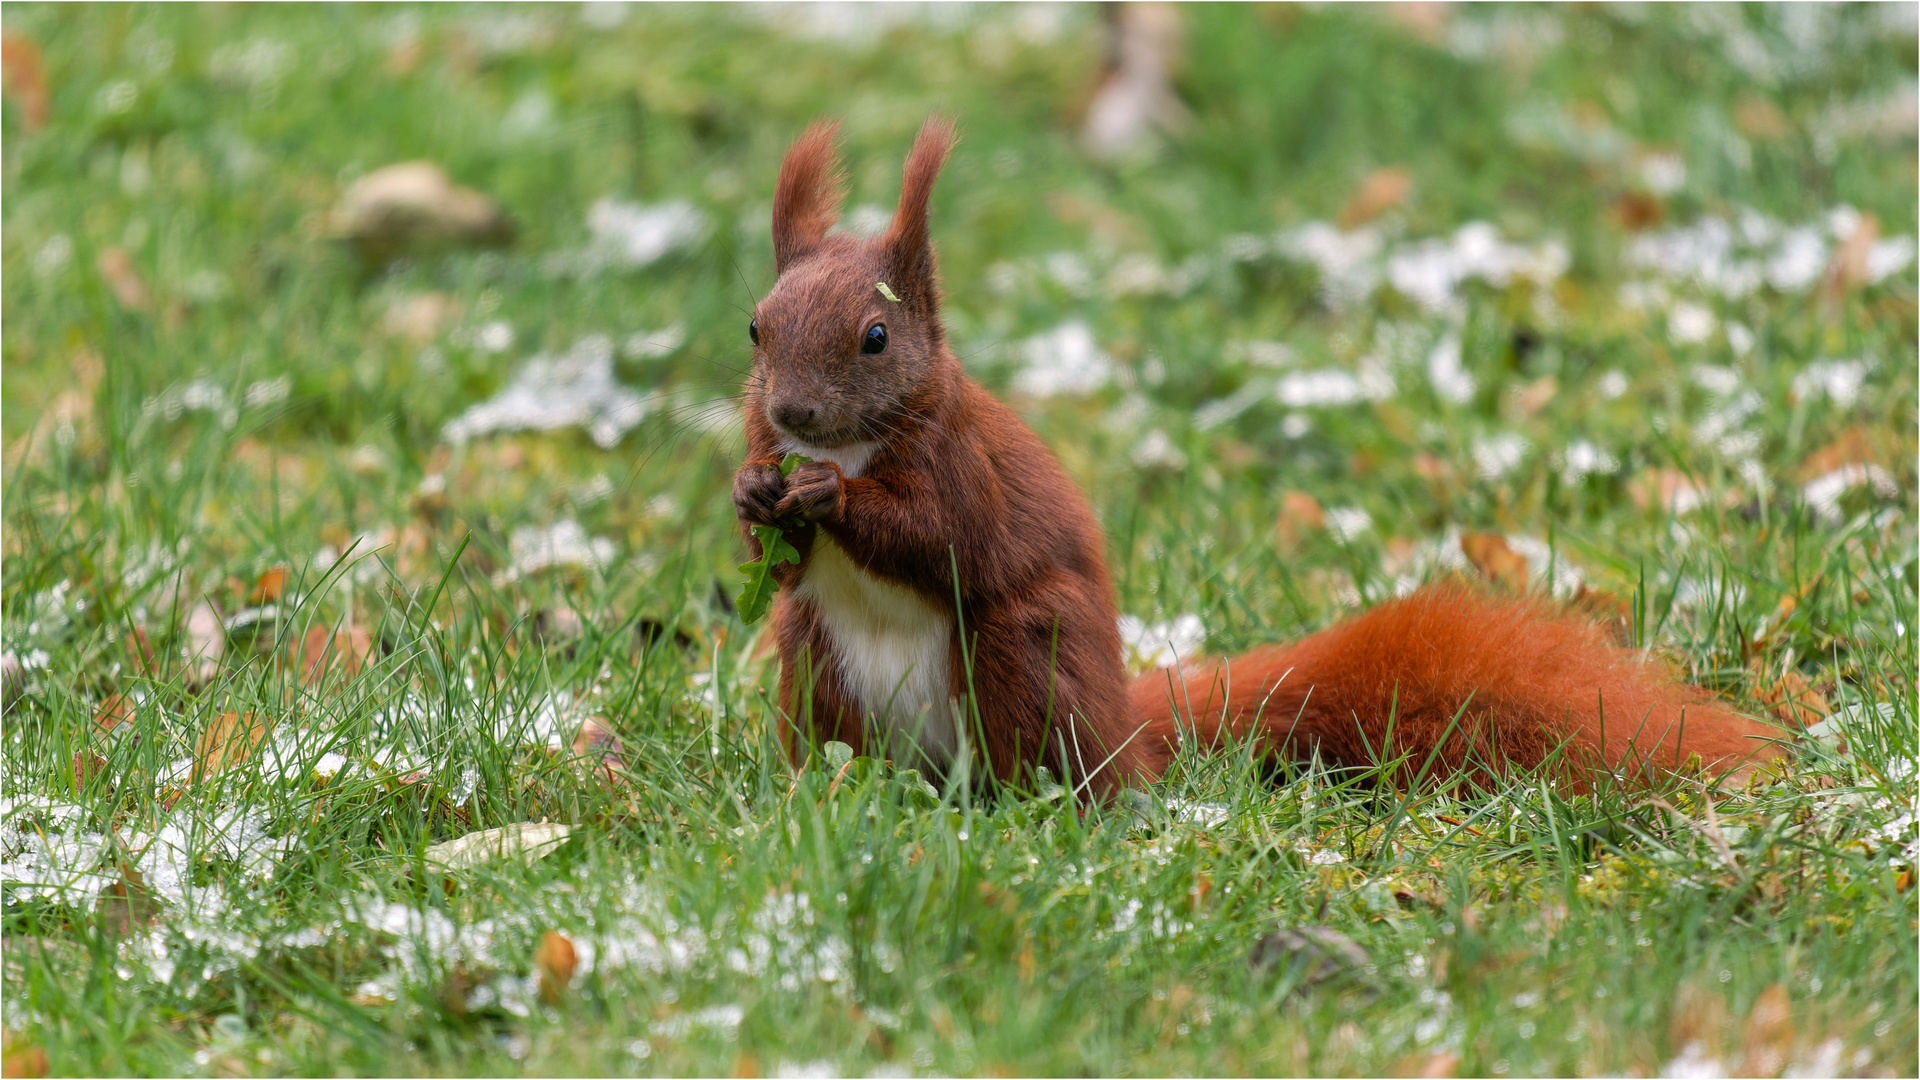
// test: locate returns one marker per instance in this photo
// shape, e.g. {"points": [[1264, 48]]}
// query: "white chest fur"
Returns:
{"points": [[893, 651]]}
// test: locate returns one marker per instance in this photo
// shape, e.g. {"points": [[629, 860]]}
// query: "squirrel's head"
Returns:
{"points": [[835, 361]]}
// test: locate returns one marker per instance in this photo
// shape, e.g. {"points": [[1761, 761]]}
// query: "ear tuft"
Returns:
{"points": [[909, 248], [806, 201]]}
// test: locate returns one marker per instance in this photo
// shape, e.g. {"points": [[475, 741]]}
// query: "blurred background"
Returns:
{"points": [[281, 280]]}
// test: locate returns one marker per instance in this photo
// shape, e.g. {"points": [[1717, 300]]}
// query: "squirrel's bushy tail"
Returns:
{"points": [[1521, 677]]}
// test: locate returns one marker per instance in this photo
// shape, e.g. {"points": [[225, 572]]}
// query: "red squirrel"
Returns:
{"points": [[917, 470]]}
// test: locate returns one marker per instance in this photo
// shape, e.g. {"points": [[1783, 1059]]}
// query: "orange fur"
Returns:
{"points": [[1521, 677]]}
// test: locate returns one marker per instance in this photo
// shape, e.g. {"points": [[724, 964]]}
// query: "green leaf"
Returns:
{"points": [[886, 292], [756, 593]]}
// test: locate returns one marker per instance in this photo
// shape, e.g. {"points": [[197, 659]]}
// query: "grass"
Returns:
{"points": [[235, 877]]}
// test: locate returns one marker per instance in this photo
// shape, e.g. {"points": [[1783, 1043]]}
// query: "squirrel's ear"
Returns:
{"points": [[806, 201], [909, 249]]}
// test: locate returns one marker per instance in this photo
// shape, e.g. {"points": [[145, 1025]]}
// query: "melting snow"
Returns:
{"points": [[1162, 644], [1064, 360], [576, 389]]}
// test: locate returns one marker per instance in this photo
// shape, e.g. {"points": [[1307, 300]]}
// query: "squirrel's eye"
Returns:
{"points": [[876, 340], [753, 331]]}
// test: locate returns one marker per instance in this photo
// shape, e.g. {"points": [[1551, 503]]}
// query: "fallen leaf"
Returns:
{"points": [[116, 710], [206, 643], [746, 1066], [556, 959], [1853, 446], [1792, 700], [1384, 190], [409, 205], [555, 626], [270, 587], [1426, 18], [1637, 210], [127, 903], [117, 270], [322, 651], [84, 767], [1769, 1033], [1300, 514], [24, 1060], [523, 840], [141, 651], [229, 740], [597, 743], [1758, 118], [1427, 466], [1026, 961], [1136, 94], [1903, 881], [1537, 394], [1312, 953], [1668, 490], [1443, 1064], [13, 680], [1497, 562], [1848, 269], [418, 318], [26, 83]]}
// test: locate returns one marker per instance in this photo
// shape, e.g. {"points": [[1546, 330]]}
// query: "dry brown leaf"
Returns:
{"points": [[1853, 446], [1537, 394], [1792, 700], [1426, 18], [1848, 269], [1025, 960], [140, 650], [1638, 210], [556, 959], [1429, 467], [746, 1066], [84, 767], [321, 651], [1769, 1033], [116, 710], [26, 84], [229, 740], [1497, 562], [413, 204], [27, 1061], [117, 270], [127, 903], [1903, 881], [1383, 191], [420, 317], [1758, 118], [597, 743], [1446, 1063], [206, 642], [271, 586], [1300, 514], [1669, 490]]}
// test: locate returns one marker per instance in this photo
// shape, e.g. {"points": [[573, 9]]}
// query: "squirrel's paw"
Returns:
{"points": [[757, 491], [814, 494]]}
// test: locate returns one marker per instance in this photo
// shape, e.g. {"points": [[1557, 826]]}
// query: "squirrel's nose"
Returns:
{"points": [[795, 416]]}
